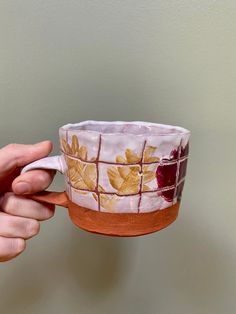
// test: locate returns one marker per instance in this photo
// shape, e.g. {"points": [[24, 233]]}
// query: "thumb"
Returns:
{"points": [[13, 156]]}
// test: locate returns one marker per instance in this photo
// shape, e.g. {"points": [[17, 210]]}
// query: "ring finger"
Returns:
{"points": [[18, 227]]}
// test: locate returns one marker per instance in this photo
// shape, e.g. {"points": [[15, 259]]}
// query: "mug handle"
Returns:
{"points": [[50, 197]]}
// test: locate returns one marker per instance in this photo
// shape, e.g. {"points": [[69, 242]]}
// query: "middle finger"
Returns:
{"points": [[20, 206]]}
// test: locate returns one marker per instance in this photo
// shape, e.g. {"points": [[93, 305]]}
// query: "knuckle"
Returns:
{"points": [[33, 227], [48, 213], [8, 221], [10, 203], [38, 180], [18, 245], [13, 149], [43, 178], [10, 225], [11, 146], [42, 211], [10, 247]]}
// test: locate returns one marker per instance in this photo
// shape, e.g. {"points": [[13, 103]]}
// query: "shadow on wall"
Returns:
{"points": [[93, 266], [98, 264]]}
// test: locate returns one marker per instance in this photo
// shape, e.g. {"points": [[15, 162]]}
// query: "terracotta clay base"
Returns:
{"points": [[113, 224], [122, 225]]}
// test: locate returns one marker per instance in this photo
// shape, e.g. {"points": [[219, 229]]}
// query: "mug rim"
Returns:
{"points": [[177, 129]]}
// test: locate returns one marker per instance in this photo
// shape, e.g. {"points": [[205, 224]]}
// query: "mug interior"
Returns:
{"points": [[126, 127]]}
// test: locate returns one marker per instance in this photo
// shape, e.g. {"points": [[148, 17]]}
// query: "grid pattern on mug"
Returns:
{"points": [[165, 167]]}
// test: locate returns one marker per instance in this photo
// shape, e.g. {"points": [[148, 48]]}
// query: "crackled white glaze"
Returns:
{"points": [[105, 141]]}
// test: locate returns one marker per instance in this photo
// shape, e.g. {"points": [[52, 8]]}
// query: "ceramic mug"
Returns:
{"points": [[122, 178]]}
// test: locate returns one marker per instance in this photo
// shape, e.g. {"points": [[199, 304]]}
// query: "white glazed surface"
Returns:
{"points": [[93, 148]]}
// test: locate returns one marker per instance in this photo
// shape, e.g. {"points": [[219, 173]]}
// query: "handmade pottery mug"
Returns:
{"points": [[121, 178]]}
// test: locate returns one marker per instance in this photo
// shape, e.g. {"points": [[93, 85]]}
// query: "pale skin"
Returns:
{"points": [[19, 216]]}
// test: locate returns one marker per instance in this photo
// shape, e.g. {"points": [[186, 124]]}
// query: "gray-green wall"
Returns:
{"points": [[161, 61]]}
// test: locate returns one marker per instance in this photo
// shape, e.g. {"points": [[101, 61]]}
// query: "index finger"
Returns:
{"points": [[33, 181], [18, 155]]}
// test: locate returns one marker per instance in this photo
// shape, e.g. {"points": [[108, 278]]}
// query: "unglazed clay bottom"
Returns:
{"points": [[121, 178], [122, 225]]}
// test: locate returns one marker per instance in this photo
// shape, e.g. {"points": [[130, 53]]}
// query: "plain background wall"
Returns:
{"points": [[161, 61]]}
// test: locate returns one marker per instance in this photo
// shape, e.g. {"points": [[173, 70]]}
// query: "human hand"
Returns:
{"points": [[19, 216]]}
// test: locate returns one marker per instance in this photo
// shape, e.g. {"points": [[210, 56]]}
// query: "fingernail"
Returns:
{"points": [[22, 188]]}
